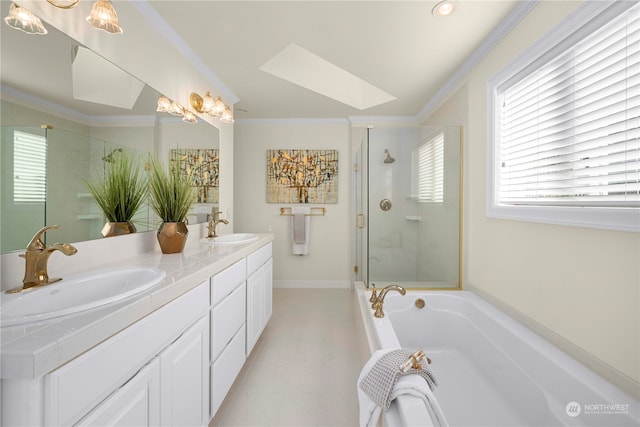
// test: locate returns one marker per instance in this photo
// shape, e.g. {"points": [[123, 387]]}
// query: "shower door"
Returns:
{"points": [[414, 202]]}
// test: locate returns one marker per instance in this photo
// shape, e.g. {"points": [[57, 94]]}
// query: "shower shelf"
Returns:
{"points": [[413, 218]]}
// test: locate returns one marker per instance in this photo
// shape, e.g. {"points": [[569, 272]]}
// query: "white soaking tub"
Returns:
{"points": [[491, 370]]}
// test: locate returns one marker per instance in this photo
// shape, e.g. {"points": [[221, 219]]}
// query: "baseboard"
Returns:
{"points": [[312, 284]]}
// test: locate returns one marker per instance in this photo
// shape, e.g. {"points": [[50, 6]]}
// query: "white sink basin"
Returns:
{"points": [[76, 293], [230, 239]]}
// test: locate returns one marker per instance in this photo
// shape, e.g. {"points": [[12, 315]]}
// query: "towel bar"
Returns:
{"points": [[283, 211]]}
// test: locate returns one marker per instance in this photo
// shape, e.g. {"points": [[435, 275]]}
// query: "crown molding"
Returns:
{"points": [[305, 121], [521, 10]]}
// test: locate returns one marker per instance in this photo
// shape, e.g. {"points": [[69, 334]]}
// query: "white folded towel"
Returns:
{"points": [[300, 228], [412, 384]]}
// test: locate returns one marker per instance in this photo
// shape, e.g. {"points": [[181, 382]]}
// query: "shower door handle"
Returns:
{"points": [[359, 221]]}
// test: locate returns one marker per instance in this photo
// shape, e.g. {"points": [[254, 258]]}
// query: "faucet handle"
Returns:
{"points": [[36, 242], [374, 295]]}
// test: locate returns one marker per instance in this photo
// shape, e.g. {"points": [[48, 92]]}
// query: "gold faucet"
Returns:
{"points": [[377, 304], [36, 256], [213, 223]]}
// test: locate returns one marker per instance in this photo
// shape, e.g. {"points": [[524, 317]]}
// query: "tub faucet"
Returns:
{"points": [[36, 256], [377, 304], [213, 223]]}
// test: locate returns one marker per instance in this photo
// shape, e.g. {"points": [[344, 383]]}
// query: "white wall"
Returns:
{"points": [[328, 261], [580, 285]]}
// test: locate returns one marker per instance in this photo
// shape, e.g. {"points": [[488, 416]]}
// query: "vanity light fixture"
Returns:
{"points": [[23, 20], [189, 117], [227, 116], [104, 17], [176, 109], [213, 107], [64, 5], [444, 8], [164, 104], [219, 106]]}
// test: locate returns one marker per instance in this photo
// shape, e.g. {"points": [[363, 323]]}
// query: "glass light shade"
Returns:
{"points": [[104, 17], [219, 106], [208, 104], [227, 116], [23, 20], [176, 109], [163, 104], [189, 117]]}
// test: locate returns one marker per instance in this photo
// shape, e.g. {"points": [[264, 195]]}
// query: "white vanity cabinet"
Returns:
{"points": [[240, 304], [152, 373], [259, 293], [228, 306], [167, 358]]}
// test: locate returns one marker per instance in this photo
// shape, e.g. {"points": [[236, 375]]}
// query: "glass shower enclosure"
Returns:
{"points": [[413, 206]]}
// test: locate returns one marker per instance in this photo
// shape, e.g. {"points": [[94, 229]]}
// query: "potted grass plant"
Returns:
{"points": [[121, 192], [171, 196]]}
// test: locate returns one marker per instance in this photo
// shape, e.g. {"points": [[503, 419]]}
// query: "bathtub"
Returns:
{"points": [[492, 371]]}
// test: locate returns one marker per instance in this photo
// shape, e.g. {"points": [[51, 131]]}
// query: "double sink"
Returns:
{"points": [[84, 291]]}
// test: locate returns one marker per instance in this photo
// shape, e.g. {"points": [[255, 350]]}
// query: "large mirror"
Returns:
{"points": [[52, 80]]}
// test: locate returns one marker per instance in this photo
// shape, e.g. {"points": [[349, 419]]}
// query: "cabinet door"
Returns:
{"points": [[254, 309], [137, 403], [184, 370]]}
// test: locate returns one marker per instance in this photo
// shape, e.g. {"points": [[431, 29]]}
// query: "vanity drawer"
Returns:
{"points": [[259, 257], [226, 318], [225, 370], [223, 283]]}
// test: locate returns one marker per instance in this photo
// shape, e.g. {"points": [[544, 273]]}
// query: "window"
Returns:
{"points": [[431, 170], [566, 126], [29, 168]]}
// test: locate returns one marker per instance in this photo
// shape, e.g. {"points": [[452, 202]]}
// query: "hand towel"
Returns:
{"points": [[300, 227], [416, 383]]}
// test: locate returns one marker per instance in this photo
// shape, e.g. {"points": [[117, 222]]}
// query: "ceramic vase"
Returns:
{"points": [[118, 228], [172, 236]]}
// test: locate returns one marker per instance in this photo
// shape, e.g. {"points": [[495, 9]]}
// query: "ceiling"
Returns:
{"points": [[397, 46]]}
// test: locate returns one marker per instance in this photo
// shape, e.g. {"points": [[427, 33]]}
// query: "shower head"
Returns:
{"points": [[388, 159], [109, 157]]}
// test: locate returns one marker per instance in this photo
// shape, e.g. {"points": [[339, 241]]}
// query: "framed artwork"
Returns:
{"points": [[203, 165], [302, 176]]}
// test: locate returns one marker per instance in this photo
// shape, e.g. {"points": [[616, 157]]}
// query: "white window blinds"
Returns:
{"points": [[29, 168], [431, 170], [569, 132]]}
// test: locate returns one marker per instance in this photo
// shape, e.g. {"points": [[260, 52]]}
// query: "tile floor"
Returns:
{"points": [[304, 368]]}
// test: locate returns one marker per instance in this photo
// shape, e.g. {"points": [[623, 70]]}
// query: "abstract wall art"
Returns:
{"points": [[302, 176], [202, 164]]}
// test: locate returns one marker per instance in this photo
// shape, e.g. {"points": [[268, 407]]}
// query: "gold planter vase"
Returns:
{"points": [[172, 236], [118, 228]]}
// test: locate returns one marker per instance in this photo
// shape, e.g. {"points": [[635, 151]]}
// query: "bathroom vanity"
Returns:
{"points": [[165, 357]]}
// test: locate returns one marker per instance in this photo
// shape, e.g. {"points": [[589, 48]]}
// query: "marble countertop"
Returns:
{"points": [[32, 350]]}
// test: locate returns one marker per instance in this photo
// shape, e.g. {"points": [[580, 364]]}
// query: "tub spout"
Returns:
{"points": [[377, 304]]}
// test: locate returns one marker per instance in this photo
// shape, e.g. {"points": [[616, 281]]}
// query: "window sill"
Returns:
{"points": [[617, 219]]}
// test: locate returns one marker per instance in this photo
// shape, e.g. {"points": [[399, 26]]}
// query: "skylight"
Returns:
{"points": [[303, 68]]}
